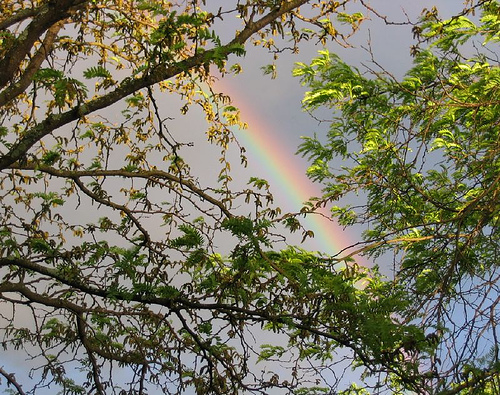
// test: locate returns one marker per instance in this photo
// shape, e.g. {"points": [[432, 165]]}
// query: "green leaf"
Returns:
{"points": [[190, 239], [96, 72]]}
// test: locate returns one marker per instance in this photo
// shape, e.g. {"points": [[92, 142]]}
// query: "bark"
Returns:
{"points": [[12, 91], [48, 15]]}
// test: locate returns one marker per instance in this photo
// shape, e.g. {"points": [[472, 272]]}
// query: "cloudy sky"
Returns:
{"points": [[272, 107], [276, 120]]}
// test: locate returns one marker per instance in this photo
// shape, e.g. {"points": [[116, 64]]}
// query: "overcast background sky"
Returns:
{"points": [[276, 104]]}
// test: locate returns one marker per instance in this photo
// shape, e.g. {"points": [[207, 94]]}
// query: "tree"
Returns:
{"points": [[420, 171], [131, 295], [137, 296]]}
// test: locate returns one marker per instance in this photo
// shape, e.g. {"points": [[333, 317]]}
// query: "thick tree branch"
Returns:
{"points": [[174, 303], [19, 16], [471, 383], [12, 380], [20, 86], [48, 15], [252, 27], [130, 85], [37, 297]]}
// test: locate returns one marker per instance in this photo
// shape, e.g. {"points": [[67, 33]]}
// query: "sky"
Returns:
{"points": [[272, 108]]}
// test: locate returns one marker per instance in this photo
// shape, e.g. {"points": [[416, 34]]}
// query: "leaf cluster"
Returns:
{"points": [[420, 172], [116, 258]]}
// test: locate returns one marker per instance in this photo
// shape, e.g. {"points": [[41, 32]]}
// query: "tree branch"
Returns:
{"points": [[175, 304], [75, 309], [19, 16], [48, 15], [80, 323], [12, 380], [172, 303], [147, 174], [131, 85], [27, 77], [120, 207]]}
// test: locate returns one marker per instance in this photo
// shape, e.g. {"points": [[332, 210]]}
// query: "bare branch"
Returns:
{"points": [[12, 380]]}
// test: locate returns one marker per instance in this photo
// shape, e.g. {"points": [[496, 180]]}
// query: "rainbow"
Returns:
{"points": [[276, 162]]}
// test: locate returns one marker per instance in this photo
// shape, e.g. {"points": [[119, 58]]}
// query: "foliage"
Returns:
{"points": [[126, 266], [419, 169]]}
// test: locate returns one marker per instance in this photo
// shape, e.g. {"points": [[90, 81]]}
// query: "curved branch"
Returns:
{"points": [[45, 300], [48, 15], [19, 16], [253, 27], [478, 378], [12, 380], [147, 174], [109, 203]]}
